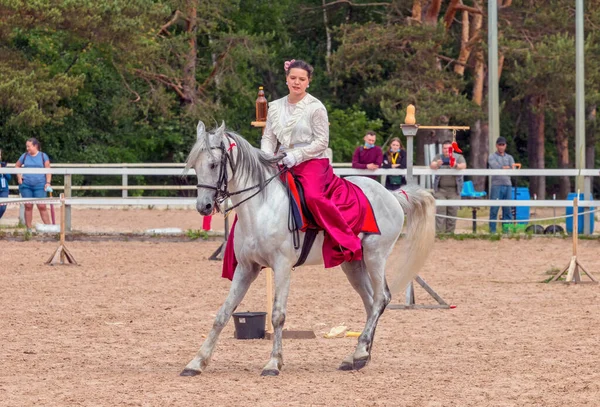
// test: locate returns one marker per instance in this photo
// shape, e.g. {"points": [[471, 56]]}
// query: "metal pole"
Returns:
{"points": [[493, 97], [409, 130], [409, 160], [579, 93], [580, 104]]}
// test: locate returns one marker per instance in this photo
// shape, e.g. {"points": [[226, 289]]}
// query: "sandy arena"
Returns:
{"points": [[118, 329]]}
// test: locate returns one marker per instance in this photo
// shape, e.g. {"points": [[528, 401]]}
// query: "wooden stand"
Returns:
{"points": [[62, 254], [269, 280], [410, 297], [572, 269]]}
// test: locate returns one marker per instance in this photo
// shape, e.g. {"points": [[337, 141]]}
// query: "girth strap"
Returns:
{"points": [[309, 239]]}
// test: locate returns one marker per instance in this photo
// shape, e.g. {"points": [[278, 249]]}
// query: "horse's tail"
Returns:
{"points": [[419, 208]]}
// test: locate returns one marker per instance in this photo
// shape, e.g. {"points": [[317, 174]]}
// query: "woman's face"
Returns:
{"points": [[297, 81], [395, 146], [31, 148]]}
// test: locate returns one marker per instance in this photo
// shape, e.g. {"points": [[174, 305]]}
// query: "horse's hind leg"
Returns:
{"points": [[361, 281], [282, 289], [243, 277], [375, 267]]}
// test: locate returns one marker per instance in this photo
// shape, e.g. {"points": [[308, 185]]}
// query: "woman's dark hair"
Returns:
{"points": [[302, 65], [398, 140], [35, 142]]}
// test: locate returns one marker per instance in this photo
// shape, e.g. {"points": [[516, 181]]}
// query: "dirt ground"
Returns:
{"points": [[119, 328]]}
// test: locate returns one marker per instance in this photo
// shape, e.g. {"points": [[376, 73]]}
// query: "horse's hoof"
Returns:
{"points": [[189, 372], [270, 372], [360, 363], [345, 366]]}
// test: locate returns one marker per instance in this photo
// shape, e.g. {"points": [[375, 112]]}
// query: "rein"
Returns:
{"points": [[221, 189]]}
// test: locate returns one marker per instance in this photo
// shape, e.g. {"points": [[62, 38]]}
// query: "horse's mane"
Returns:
{"points": [[251, 164]]}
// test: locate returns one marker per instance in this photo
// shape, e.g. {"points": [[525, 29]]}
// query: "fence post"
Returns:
{"points": [[67, 194], [124, 183], [21, 214]]}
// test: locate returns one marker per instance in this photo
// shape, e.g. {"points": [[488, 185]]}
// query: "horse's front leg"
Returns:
{"points": [[282, 289], [243, 277]]}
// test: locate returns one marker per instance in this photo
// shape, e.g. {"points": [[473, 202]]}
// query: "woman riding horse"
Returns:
{"points": [[227, 166], [299, 123]]}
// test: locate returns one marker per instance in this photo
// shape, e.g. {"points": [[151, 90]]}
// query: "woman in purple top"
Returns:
{"points": [[34, 185], [369, 156]]}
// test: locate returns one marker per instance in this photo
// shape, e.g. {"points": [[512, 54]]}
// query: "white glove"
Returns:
{"points": [[289, 160]]}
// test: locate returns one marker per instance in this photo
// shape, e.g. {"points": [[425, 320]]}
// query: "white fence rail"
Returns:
{"points": [[339, 169], [343, 169]]}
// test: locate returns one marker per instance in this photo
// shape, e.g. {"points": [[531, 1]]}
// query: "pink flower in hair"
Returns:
{"points": [[286, 64]]}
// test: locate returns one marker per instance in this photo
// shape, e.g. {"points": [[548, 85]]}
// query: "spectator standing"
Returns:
{"points": [[368, 156], [447, 186], [501, 184], [34, 185], [394, 158]]}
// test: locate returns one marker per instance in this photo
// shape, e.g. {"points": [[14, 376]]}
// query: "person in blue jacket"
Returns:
{"points": [[4, 178], [34, 185]]}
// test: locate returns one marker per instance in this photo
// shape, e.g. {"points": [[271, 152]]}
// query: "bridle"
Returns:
{"points": [[221, 188]]}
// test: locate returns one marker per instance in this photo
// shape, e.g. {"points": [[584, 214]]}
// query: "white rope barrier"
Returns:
{"points": [[21, 201], [547, 203], [514, 220]]}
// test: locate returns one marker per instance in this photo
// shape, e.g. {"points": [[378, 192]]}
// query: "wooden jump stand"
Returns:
{"points": [[410, 129], [286, 334], [574, 266], [62, 254], [410, 297]]}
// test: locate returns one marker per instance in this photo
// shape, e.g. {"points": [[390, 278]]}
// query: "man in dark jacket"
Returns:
{"points": [[369, 156]]}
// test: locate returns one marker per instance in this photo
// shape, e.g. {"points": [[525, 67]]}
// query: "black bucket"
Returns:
{"points": [[249, 325]]}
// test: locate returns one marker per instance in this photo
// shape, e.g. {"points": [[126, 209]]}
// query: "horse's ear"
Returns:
{"points": [[221, 128], [200, 130]]}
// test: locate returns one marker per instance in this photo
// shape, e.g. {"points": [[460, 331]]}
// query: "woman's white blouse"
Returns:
{"points": [[304, 123]]}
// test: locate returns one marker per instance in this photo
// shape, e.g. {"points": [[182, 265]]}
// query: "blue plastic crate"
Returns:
{"points": [[580, 219], [522, 194]]}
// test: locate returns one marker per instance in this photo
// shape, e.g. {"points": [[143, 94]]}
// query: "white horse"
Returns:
{"points": [[225, 163]]}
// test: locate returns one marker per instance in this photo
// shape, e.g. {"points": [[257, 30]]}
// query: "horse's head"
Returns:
{"points": [[209, 157], [223, 159]]}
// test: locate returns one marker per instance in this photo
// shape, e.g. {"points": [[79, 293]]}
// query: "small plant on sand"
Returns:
{"points": [[197, 234], [552, 272]]}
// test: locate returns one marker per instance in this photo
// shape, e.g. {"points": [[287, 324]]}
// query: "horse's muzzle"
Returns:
{"points": [[205, 209]]}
